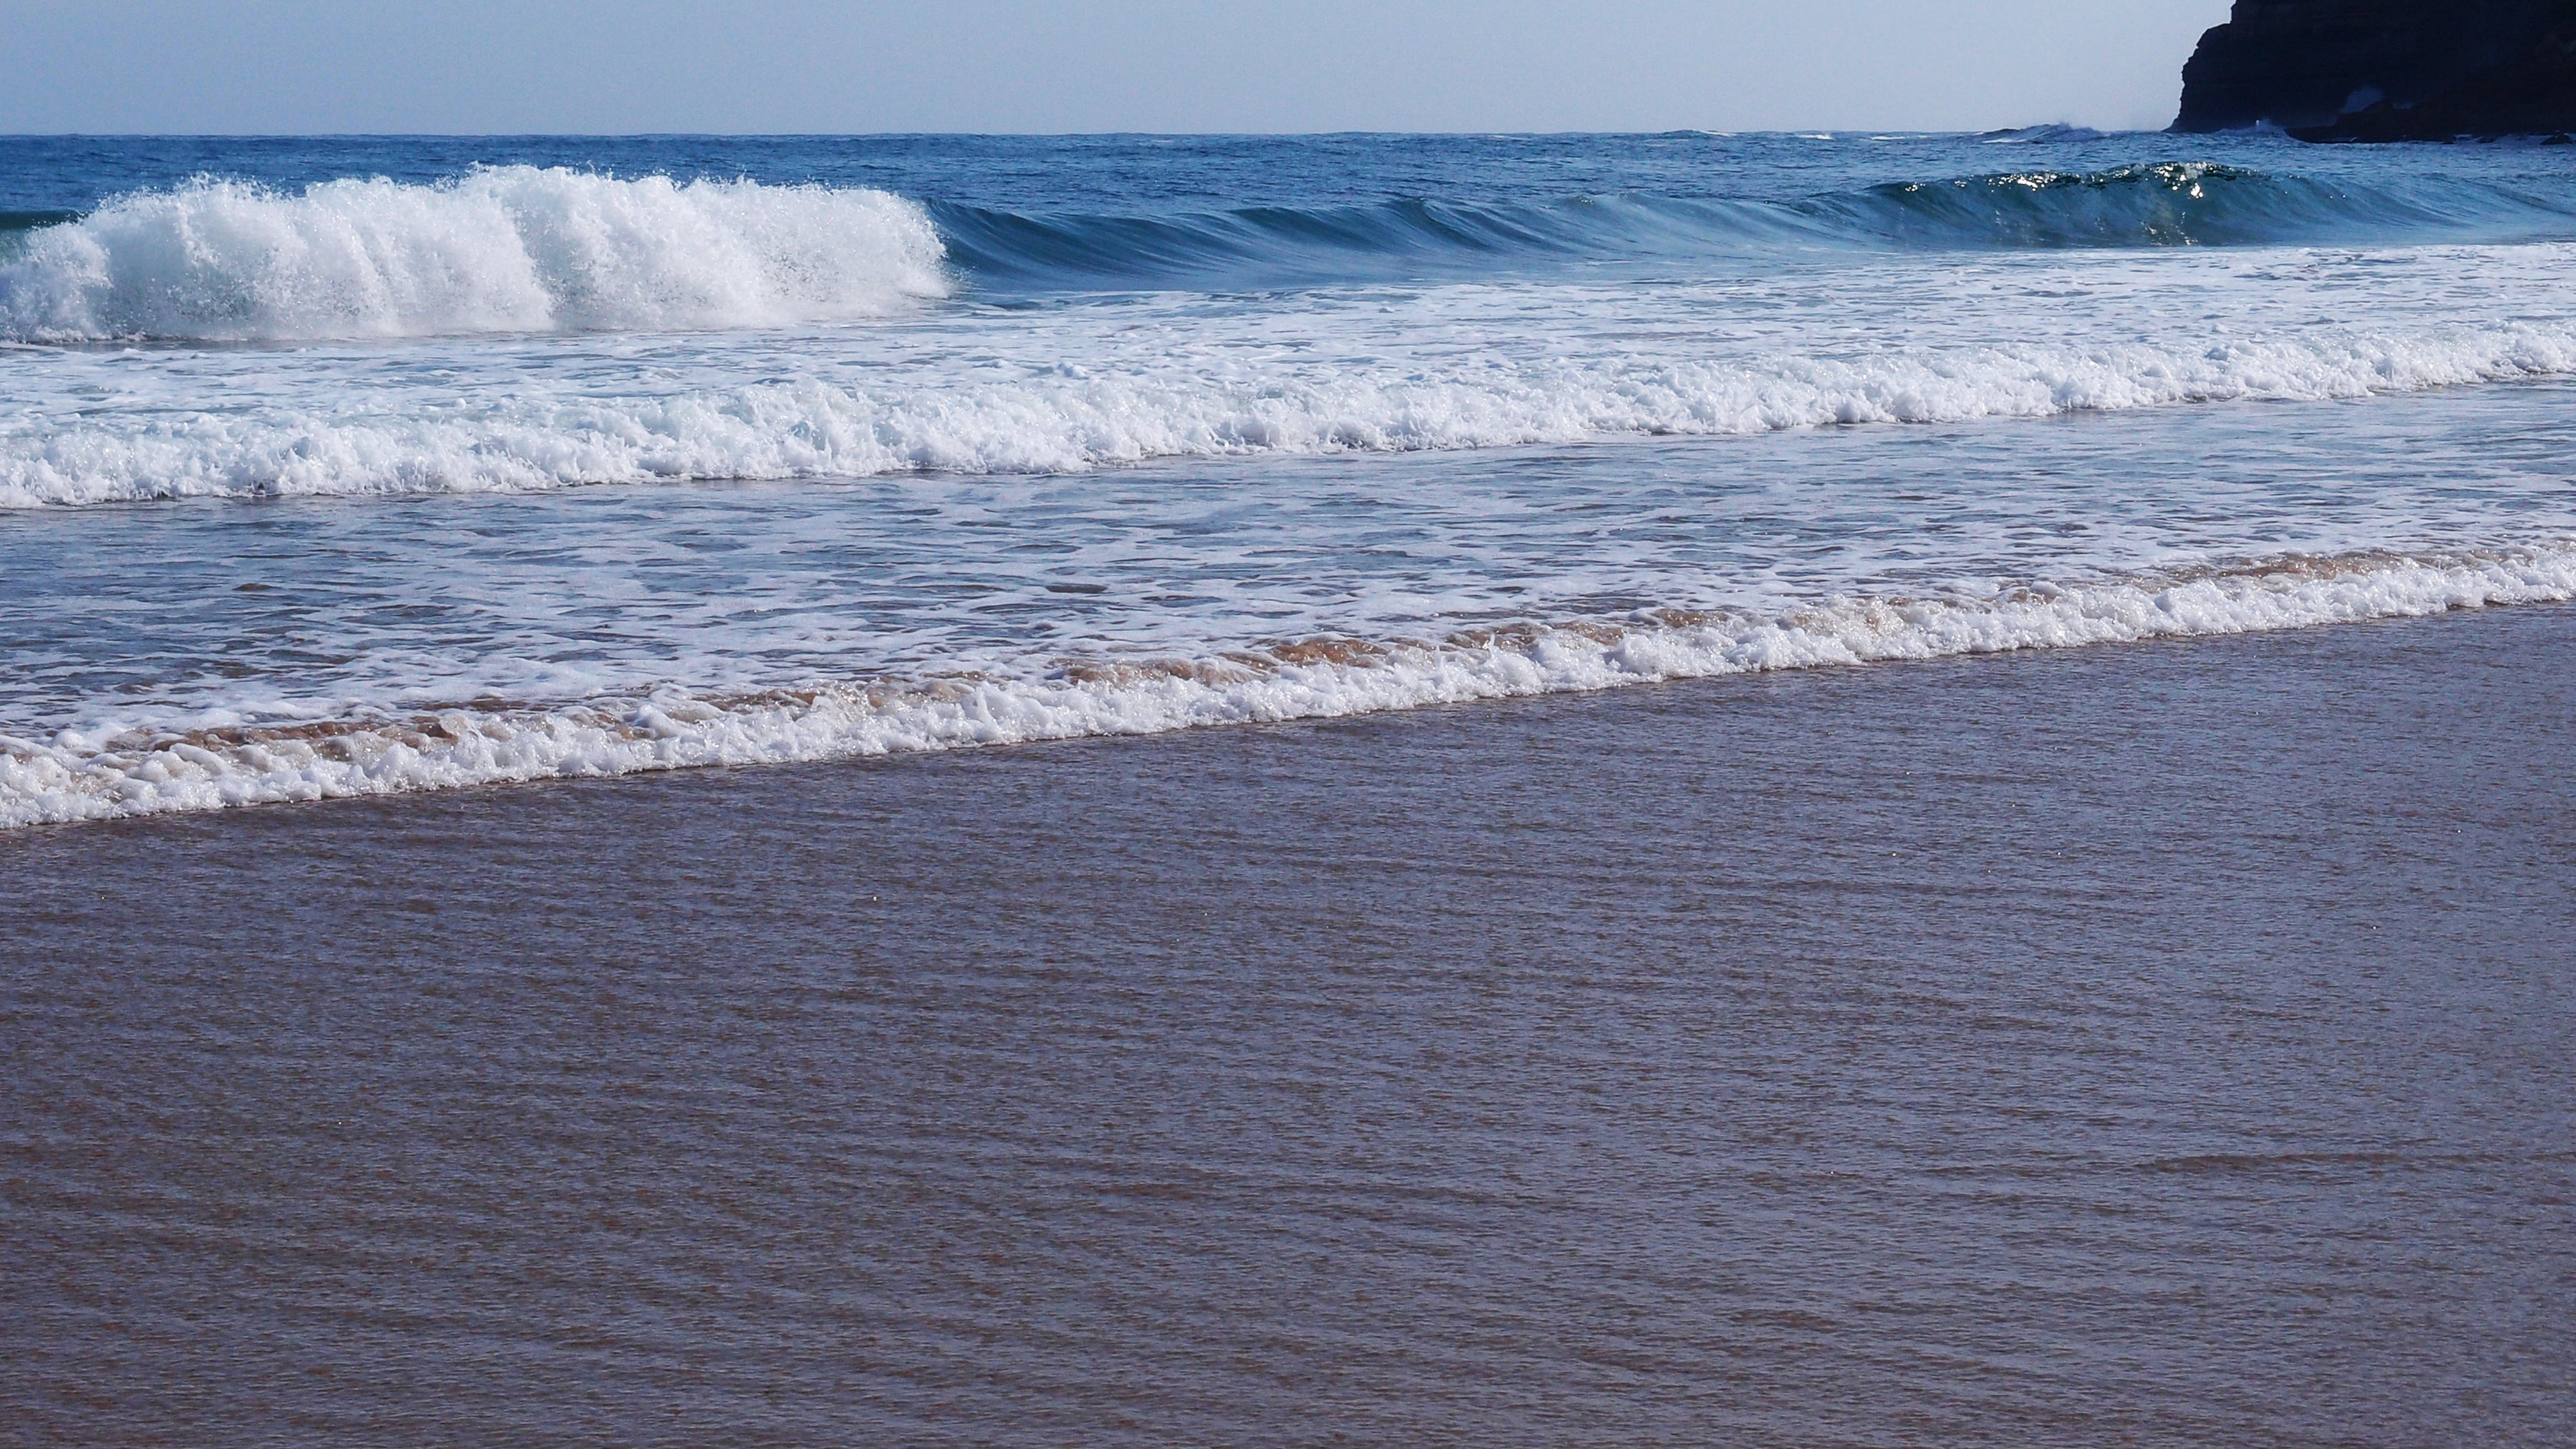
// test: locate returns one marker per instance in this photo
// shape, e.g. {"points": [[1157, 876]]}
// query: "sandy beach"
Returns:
{"points": [[2146, 1044]]}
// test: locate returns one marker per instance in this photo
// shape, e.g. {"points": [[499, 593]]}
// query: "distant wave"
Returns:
{"points": [[504, 249], [1071, 422], [2038, 135], [101, 775], [2160, 205]]}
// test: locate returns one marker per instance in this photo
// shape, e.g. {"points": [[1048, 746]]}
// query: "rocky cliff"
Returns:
{"points": [[2386, 70]]}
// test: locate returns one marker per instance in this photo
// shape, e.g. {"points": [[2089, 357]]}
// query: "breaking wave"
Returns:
{"points": [[95, 776], [518, 249], [503, 249]]}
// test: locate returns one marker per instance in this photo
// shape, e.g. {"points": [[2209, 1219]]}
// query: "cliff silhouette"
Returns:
{"points": [[2387, 70]]}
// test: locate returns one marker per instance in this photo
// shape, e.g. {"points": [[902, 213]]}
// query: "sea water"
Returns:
{"points": [[351, 466]]}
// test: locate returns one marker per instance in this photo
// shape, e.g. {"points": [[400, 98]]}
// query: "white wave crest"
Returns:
{"points": [[810, 428], [503, 249], [82, 777]]}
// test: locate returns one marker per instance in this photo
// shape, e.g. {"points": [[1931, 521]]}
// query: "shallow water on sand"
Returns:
{"points": [[1544, 1073]]}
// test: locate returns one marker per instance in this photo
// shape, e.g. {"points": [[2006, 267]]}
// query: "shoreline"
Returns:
{"points": [[2153, 1043], [104, 775]]}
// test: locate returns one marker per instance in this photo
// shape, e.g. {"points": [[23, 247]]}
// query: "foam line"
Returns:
{"points": [[77, 776], [1070, 424]]}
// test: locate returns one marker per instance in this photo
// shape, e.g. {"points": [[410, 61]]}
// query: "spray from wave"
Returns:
{"points": [[502, 249], [104, 775]]}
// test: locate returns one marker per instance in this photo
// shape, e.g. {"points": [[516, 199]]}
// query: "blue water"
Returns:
{"points": [[501, 458], [1063, 211]]}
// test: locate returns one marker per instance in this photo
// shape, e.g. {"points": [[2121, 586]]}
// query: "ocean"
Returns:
{"points": [[1819, 790], [342, 467]]}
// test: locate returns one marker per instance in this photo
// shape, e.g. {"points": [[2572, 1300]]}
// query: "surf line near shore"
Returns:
{"points": [[96, 776]]}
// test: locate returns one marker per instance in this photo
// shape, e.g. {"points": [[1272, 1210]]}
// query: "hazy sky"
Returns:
{"points": [[1088, 65]]}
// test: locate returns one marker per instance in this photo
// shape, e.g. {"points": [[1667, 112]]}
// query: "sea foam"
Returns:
{"points": [[1075, 419], [88, 776], [501, 249]]}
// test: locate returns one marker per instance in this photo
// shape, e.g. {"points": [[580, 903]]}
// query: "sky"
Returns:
{"points": [[806, 66]]}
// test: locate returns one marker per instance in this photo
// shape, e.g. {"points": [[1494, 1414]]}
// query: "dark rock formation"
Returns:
{"points": [[2387, 70]]}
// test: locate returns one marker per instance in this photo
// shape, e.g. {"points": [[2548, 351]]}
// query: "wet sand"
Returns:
{"points": [[2164, 1044]]}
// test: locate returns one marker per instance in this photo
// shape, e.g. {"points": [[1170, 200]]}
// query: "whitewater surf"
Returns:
{"points": [[347, 467]]}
